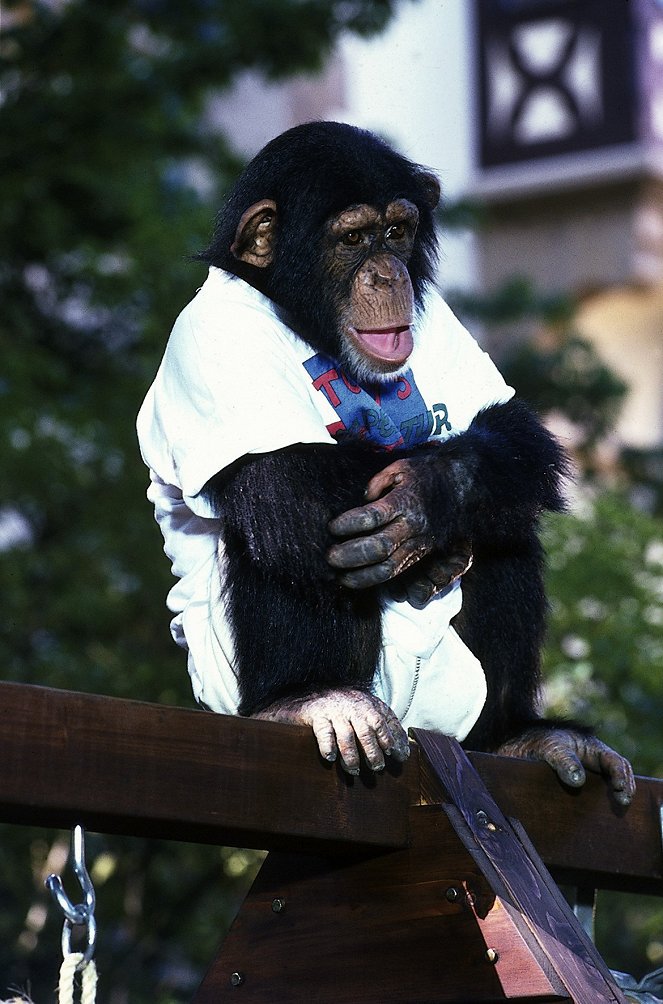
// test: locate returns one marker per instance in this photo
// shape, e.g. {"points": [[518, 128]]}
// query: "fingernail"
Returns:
{"points": [[330, 757], [378, 767]]}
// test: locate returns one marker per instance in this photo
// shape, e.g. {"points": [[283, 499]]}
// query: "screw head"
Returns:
{"points": [[492, 955], [236, 979], [483, 820], [278, 904], [452, 894]]}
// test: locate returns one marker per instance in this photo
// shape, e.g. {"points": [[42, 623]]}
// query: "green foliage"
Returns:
{"points": [[569, 377], [110, 180], [605, 646], [516, 299], [602, 664], [644, 469]]}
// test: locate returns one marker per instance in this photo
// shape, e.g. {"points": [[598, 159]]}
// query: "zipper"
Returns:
{"points": [[415, 681]]}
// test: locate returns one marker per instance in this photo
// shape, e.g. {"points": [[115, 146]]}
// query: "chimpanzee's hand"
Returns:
{"points": [[568, 752], [345, 723], [390, 533], [431, 575]]}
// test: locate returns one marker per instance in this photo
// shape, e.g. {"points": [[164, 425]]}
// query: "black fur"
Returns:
{"points": [[295, 629], [325, 167], [496, 478]]}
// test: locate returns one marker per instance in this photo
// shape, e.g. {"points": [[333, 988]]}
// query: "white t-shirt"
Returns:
{"points": [[235, 380]]}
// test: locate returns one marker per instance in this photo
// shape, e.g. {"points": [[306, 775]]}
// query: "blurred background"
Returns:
{"points": [[121, 125]]}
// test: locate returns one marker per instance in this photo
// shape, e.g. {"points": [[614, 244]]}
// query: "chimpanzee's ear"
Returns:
{"points": [[256, 234], [431, 187]]}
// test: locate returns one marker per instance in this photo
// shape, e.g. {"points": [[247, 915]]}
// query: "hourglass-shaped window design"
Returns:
{"points": [[555, 77]]}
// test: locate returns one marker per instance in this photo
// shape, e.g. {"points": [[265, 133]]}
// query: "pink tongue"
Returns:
{"points": [[392, 346]]}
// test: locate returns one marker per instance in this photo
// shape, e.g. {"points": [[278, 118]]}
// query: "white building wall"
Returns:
{"points": [[414, 86]]}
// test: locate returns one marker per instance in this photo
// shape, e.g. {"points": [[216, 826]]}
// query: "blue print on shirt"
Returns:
{"points": [[385, 415]]}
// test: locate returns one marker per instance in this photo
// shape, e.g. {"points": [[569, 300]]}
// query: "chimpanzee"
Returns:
{"points": [[347, 488]]}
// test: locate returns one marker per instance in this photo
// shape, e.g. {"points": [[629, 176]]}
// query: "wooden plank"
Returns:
{"points": [[516, 873], [121, 766], [404, 927], [133, 768], [581, 833]]}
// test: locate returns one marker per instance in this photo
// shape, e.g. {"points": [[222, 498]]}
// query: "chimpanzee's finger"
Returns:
{"points": [[346, 741], [419, 591], [604, 760], [566, 765], [556, 747], [364, 518], [366, 732], [326, 737], [380, 732], [373, 575], [393, 737], [386, 479], [376, 547]]}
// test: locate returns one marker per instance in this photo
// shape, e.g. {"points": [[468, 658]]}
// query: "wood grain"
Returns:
{"points": [[516, 874], [397, 928], [127, 767], [120, 766]]}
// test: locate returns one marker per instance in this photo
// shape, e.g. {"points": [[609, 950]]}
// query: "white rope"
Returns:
{"points": [[68, 980]]}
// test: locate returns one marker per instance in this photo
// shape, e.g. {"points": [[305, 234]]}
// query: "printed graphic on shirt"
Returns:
{"points": [[387, 415]]}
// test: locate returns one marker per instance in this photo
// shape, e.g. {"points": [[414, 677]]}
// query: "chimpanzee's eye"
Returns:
{"points": [[396, 232], [354, 237]]}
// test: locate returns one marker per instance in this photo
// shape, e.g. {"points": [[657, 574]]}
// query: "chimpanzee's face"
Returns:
{"points": [[367, 254], [338, 231]]}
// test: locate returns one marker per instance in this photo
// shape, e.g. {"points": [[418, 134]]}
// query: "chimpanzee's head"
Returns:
{"points": [[338, 230]]}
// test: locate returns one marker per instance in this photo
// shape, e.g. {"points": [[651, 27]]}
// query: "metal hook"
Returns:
{"points": [[81, 915]]}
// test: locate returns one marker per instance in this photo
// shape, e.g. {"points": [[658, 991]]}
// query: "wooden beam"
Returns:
{"points": [[120, 766], [515, 872], [582, 833], [408, 927]]}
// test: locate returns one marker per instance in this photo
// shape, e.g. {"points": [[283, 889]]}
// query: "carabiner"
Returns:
{"points": [[81, 915]]}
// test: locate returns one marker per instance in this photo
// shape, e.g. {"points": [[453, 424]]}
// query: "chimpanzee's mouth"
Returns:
{"points": [[385, 345]]}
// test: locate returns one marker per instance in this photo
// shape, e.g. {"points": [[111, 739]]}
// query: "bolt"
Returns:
{"points": [[492, 955], [236, 979], [452, 894], [278, 904], [483, 820]]}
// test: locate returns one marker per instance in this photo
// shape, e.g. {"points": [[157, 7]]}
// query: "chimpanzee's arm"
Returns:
{"points": [[487, 484], [482, 490], [503, 621], [306, 647]]}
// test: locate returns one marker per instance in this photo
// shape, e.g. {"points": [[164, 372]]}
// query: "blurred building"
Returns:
{"points": [[570, 162], [548, 111]]}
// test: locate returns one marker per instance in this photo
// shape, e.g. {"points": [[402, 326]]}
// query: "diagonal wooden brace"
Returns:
{"points": [[515, 872], [466, 913]]}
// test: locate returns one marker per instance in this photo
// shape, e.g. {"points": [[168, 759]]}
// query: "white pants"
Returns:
{"points": [[426, 674]]}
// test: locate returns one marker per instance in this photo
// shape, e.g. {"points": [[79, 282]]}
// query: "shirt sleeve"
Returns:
{"points": [[225, 388]]}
